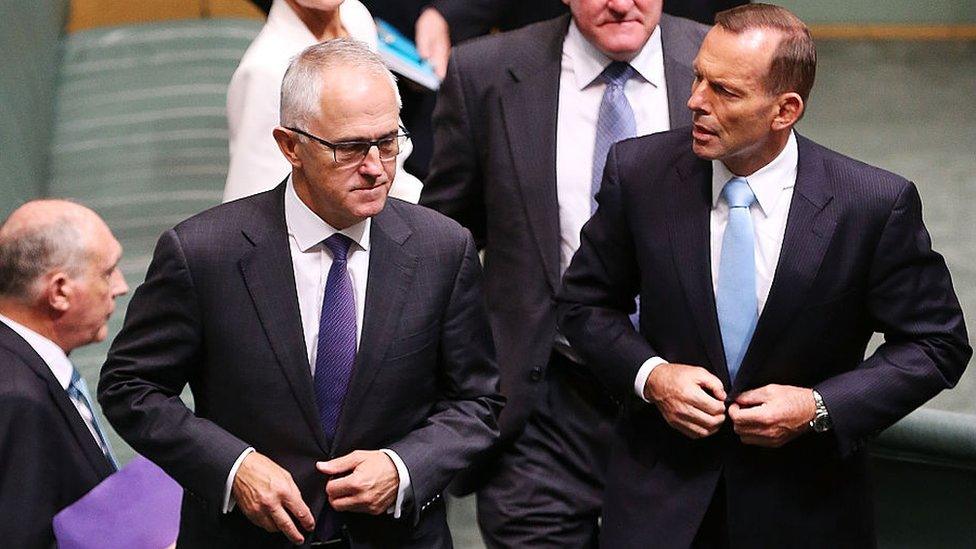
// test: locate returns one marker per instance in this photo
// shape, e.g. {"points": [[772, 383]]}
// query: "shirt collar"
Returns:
{"points": [[309, 229], [50, 353], [768, 182], [292, 26], [588, 62]]}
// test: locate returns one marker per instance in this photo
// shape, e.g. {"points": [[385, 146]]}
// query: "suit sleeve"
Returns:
{"points": [[463, 423], [150, 362], [454, 186], [911, 301], [598, 292]]}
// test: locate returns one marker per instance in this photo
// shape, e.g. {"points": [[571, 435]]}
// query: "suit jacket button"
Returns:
{"points": [[536, 373]]}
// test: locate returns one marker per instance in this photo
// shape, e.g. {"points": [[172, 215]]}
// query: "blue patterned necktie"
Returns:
{"points": [[335, 356], [78, 392], [615, 121], [738, 308]]}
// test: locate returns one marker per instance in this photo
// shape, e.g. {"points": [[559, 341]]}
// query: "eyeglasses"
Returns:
{"points": [[354, 152]]}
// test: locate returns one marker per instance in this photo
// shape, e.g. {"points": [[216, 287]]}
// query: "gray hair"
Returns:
{"points": [[30, 250], [301, 88]]}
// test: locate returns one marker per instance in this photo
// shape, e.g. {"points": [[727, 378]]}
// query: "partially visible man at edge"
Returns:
{"points": [[764, 263], [59, 279]]}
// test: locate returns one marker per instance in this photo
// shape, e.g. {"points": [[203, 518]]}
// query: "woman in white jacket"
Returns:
{"points": [[253, 96]]}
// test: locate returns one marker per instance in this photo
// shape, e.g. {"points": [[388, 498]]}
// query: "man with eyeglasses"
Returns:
{"points": [[336, 341]]}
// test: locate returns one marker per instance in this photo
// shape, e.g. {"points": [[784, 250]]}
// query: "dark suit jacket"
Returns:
{"points": [[494, 170], [48, 457], [219, 311], [856, 259]]}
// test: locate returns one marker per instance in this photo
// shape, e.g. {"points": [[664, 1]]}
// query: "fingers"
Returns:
{"points": [[713, 385], [284, 524], [296, 506], [342, 464]]}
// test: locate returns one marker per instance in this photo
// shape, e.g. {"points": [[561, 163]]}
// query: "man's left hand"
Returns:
{"points": [[361, 482], [433, 39], [772, 415]]}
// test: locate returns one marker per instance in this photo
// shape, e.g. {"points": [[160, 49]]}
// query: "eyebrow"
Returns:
{"points": [[361, 139]]}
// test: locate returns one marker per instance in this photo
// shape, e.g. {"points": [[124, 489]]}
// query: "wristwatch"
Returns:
{"points": [[821, 420]]}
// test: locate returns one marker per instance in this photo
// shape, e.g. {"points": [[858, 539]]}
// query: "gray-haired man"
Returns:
{"points": [[336, 342], [59, 278]]}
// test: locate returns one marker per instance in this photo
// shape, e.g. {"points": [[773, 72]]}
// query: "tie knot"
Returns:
{"points": [[617, 73], [738, 193], [338, 244]]}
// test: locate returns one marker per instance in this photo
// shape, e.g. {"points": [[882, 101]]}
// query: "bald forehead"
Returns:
{"points": [[42, 212]]}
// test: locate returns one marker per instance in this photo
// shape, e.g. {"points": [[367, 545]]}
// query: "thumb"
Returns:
{"points": [[342, 464], [750, 398], [712, 384]]}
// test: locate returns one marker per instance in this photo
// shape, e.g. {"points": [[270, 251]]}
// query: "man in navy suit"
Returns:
{"points": [[764, 263], [59, 278]]}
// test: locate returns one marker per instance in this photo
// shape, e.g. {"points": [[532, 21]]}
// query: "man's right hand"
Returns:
{"points": [[268, 497], [691, 399]]}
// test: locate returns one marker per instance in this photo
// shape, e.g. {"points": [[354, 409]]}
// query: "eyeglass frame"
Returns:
{"points": [[373, 143]]}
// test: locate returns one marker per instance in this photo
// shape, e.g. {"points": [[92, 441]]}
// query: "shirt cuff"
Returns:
{"points": [[397, 508], [644, 373], [229, 501]]}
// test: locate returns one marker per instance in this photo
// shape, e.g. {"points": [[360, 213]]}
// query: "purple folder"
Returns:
{"points": [[137, 507]]}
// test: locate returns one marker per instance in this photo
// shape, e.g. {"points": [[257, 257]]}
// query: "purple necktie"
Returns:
{"points": [[335, 356], [337, 337]]}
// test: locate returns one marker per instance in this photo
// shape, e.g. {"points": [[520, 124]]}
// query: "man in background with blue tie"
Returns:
{"points": [[59, 278], [521, 131], [336, 341], [764, 263]]}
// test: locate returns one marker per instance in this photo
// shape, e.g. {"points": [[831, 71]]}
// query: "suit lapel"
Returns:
{"points": [[270, 279], [690, 208], [678, 75], [529, 112], [76, 425], [809, 229], [391, 269]]}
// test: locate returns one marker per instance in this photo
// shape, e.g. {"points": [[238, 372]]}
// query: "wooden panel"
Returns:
{"points": [[87, 14]]}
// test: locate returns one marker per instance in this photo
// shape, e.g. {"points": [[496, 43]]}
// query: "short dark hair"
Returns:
{"points": [[794, 65]]}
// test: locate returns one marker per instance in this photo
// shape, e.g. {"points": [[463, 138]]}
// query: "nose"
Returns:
{"points": [[119, 287], [372, 165], [620, 7], [696, 102]]}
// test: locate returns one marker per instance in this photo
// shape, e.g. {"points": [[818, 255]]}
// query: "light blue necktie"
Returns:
{"points": [[78, 391], [615, 121], [736, 302]]}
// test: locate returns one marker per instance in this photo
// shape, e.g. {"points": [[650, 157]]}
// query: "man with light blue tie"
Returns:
{"points": [[59, 279], [764, 263]]}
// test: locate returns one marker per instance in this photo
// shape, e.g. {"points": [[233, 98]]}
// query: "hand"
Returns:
{"points": [[773, 415], [268, 497], [691, 399], [433, 39], [362, 482]]}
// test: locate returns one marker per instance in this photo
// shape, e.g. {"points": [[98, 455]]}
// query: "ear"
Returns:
{"points": [[288, 143], [790, 110], [58, 291]]}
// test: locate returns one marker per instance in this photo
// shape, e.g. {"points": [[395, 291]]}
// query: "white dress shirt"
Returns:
{"points": [[60, 366], [312, 260], [254, 99], [580, 94], [773, 186]]}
